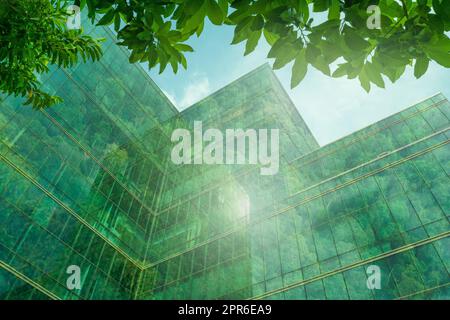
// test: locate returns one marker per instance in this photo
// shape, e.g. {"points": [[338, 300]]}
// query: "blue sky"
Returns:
{"points": [[332, 108]]}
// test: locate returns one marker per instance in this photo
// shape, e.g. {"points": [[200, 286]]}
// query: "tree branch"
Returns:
{"points": [[405, 10]]}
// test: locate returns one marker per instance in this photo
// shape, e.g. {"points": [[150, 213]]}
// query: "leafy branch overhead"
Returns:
{"points": [[413, 32], [33, 34]]}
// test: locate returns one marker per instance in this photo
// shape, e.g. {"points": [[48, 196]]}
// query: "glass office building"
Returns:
{"points": [[90, 183]]}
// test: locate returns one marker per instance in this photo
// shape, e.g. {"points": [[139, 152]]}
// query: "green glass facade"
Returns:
{"points": [[90, 183]]}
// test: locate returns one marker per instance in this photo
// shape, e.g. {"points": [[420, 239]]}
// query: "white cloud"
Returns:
{"points": [[198, 89]]}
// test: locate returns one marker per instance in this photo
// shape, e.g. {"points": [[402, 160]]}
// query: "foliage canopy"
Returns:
{"points": [[33, 34], [413, 32]]}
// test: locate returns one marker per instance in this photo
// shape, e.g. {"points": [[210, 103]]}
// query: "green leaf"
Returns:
{"points": [[200, 28], [174, 63], [258, 23], [117, 22], [240, 14], [284, 51], [442, 43], [184, 47], [334, 12], [285, 56], [145, 35], [192, 7], [299, 69], [393, 66], [354, 41], [136, 56], [242, 30], [441, 57], [391, 9], [82, 4], [107, 18], [163, 60], [340, 71], [223, 4], [331, 49], [252, 42], [214, 12], [197, 18], [439, 51], [364, 80], [165, 28], [183, 62], [438, 7], [312, 53], [270, 37], [421, 66], [320, 64], [302, 7], [276, 48], [374, 74], [320, 5]]}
